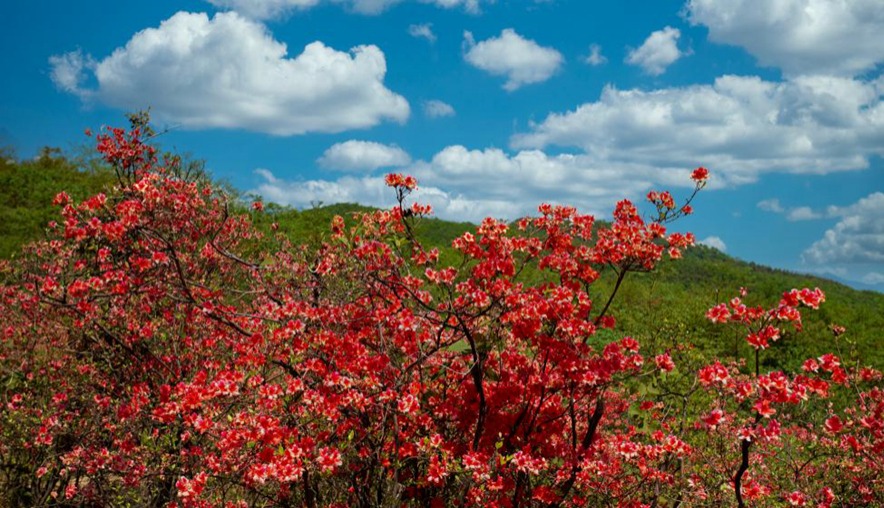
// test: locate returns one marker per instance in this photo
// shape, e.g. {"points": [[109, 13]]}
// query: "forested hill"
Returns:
{"points": [[667, 306]]}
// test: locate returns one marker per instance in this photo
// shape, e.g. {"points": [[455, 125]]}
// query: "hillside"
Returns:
{"points": [[673, 299], [28, 187]]}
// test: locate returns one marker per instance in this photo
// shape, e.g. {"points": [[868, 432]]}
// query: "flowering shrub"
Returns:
{"points": [[147, 360]]}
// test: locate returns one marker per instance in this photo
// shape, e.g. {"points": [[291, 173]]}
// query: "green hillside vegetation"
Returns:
{"points": [[665, 308], [677, 296], [27, 188]]}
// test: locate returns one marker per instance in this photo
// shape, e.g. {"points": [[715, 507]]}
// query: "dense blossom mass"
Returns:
{"points": [[159, 350]]}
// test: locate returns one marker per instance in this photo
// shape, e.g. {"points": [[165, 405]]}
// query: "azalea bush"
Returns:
{"points": [[160, 350]]}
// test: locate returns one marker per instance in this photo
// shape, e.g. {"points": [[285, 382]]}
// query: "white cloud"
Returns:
{"points": [[771, 205], [739, 127], [69, 71], [274, 9], [229, 72], [436, 109], [465, 184], [573, 179], [521, 60], [424, 30], [714, 242], [857, 238], [470, 6], [363, 155], [659, 51], [595, 56], [631, 141], [369, 7], [264, 9], [792, 214], [372, 191], [798, 36], [369, 191], [802, 213], [873, 278], [863, 274]]}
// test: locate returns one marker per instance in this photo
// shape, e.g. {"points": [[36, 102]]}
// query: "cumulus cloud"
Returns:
{"points": [[659, 51], [470, 184], [436, 109], [579, 180], [229, 72], [356, 155], [273, 9], [798, 36], [424, 31], [631, 141], [800, 213], [858, 237], [371, 191], [595, 56], [739, 126], [367, 190], [714, 242], [522, 61]]}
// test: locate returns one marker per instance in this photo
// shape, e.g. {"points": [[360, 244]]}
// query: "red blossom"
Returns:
{"points": [[664, 362], [400, 180], [162, 347], [714, 418], [718, 314], [700, 174], [834, 424]]}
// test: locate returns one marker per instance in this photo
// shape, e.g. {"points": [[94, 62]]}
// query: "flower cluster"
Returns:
{"points": [[159, 349]]}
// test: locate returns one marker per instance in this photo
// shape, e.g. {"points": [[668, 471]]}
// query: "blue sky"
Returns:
{"points": [[496, 106]]}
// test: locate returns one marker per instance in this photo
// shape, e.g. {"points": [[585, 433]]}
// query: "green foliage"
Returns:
{"points": [[673, 300], [684, 289], [28, 187]]}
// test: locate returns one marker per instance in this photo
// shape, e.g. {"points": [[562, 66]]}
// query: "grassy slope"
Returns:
{"points": [[669, 304], [27, 189], [664, 307]]}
